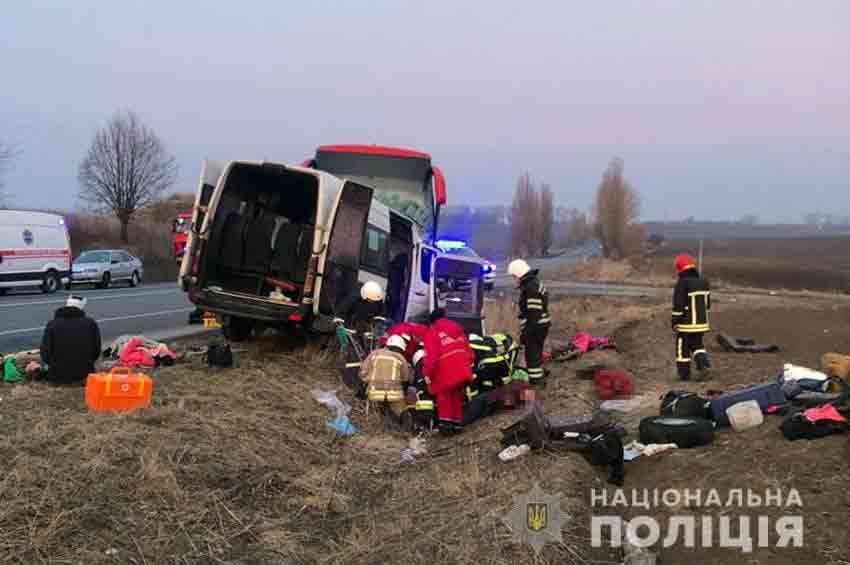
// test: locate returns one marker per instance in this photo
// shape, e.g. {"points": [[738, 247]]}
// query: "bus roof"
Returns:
{"points": [[374, 150]]}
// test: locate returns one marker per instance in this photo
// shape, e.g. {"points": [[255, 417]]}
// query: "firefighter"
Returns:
{"points": [[447, 369], [421, 402], [691, 303], [534, 317], [359, 311], [385, 373]]}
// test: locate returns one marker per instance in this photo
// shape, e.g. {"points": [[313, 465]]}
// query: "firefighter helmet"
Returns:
{"points": [[372, 292], [684, 262], [518, 268], [418, 356], [397, 342]]}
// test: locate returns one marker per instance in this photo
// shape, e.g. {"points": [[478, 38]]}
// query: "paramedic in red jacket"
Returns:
{"points": [[447, 369], [412, 334]]}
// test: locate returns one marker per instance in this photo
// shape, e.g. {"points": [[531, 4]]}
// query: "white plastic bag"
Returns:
{"points": [[620, 405], [745, 415], [513, 452], [330, 399]]}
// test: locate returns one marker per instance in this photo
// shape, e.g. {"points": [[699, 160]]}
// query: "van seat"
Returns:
{"points": [[232, 241], [258, 248], [285, 255]]}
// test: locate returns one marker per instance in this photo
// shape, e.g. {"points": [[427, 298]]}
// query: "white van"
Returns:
{"points": [[35, 251], [273, 245]]}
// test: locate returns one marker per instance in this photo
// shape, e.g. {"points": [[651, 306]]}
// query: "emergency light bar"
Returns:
{"points": [[448, 244]]}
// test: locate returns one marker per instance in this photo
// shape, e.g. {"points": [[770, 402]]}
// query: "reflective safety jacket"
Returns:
{"points": [[385, 373], [533, 302], [691, 303], [494, 360]]}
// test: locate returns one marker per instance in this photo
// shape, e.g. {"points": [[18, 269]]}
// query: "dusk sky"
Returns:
{"points": [[719, 109]]}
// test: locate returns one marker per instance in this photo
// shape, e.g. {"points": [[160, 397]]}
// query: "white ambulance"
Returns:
{"points": [[35, 251]]}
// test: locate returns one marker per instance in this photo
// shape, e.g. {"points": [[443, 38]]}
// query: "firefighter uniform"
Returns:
{"points": [[691, 304], [534, 323]]}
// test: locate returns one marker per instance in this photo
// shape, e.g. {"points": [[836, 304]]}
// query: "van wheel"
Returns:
{"points": [[237, 329], [51, 282], [104, 282], [134, 280]]}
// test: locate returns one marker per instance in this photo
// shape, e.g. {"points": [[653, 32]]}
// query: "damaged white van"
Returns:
{"points": [[274, 245]]}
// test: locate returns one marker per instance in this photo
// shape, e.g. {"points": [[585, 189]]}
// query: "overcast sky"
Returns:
{"points": [[718, 108]]}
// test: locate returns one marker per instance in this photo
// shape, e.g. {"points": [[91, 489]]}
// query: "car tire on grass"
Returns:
{"points": [[237, 329], [684, 432]]}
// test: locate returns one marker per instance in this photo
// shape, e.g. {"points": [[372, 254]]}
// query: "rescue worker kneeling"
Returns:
{"points": [[691, 303], [421, 402], [447, 369], [385, 373]]}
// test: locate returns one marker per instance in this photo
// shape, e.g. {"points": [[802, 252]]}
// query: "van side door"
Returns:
{"points": [[345, 242], [211, 173]]}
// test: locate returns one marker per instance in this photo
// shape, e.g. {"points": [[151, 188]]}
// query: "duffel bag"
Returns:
{"points": [[814, 423], [767, 395], [685, 404]]}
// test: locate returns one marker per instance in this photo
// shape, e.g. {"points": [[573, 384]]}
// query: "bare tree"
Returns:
{"points": [[547, 218], [524, 217], [616, 208], [7, 153], [126, 169]]}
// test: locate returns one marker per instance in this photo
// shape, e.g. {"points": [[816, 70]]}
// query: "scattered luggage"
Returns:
{"points": [[805, 378], [684, 404], [613, 383], [836, 365], [744, 345], [745, 415], [814, 423], [219, 355], [684, 432], [119, 390], [767, 395]]}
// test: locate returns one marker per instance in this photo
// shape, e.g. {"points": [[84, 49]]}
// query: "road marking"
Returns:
{"points": [[102, 320], [126, 295]]}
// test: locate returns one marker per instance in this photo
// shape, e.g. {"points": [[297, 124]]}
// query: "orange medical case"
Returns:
{"points": [[121, 389]]}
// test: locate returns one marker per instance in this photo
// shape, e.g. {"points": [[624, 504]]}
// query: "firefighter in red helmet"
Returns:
{"points": [[691, 303]]}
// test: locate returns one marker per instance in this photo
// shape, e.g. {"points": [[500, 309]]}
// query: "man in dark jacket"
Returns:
{"points": [[71, 344], [691, 303], [533, 317]]}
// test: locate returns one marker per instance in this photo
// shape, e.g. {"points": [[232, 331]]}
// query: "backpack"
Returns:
{"points": [[684, 404], [814, 423], [219, 355]]}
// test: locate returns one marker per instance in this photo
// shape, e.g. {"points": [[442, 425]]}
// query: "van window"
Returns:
{"points": [[425, 265], [375, 255]]}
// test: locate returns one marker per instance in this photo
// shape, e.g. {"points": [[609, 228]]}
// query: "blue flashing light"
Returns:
{"points": [[449, 244]]}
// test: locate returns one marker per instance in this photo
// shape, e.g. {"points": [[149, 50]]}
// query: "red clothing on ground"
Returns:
{"points": [[448, 366]]}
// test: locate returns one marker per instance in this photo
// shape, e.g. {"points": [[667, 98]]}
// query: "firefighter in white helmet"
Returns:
{"points": [[533, 317], [358, 311]]}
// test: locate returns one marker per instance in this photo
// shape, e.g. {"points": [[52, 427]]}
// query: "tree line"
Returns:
{"points": [[613, 219]]}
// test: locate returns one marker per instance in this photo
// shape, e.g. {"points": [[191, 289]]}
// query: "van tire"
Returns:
{"points": [[105, 281], [51, 282], [237, 329], [134, 279]]}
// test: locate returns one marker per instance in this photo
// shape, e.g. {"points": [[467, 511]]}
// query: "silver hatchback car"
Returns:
{"points": [[105, 267]]}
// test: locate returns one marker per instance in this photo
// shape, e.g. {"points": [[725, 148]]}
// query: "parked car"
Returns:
{"points": [[105, 267], [35, 251], [488, 268]]}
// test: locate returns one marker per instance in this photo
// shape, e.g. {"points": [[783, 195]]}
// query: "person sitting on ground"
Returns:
{"points": [[385, 374], [71, 344], [447, 369]]}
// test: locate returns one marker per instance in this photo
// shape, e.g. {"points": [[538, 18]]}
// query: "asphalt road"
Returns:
{"points": [[150, 309]]}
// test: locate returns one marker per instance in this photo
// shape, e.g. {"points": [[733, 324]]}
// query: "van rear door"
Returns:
{"points": [[342, 255], [211, 173], [458, 288]]}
